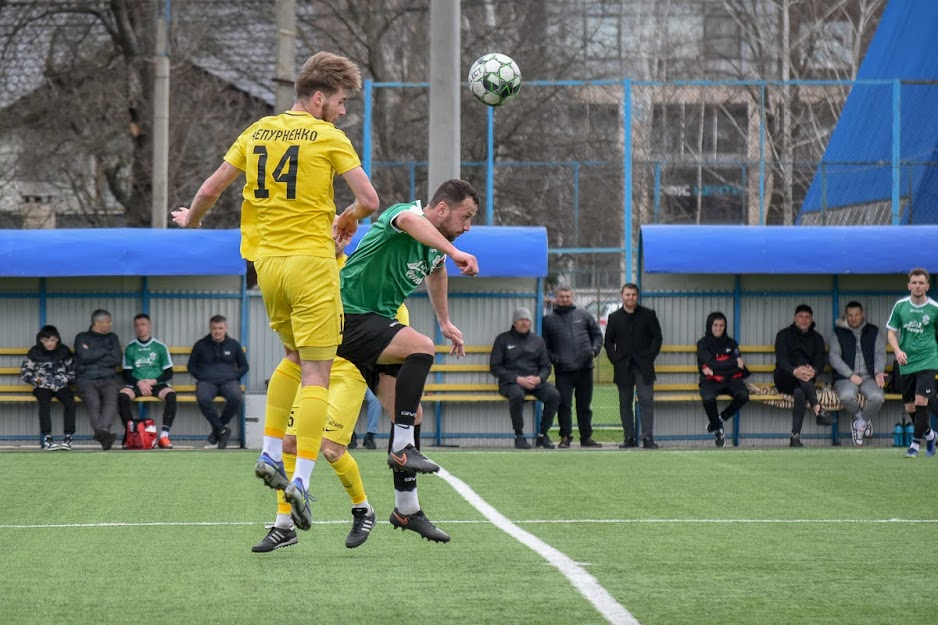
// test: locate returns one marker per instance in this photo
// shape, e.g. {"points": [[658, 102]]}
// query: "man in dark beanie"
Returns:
{"points": [[799, 359], [520, 363]]}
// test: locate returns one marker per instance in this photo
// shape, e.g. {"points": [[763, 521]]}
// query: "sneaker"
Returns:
{"points": [[66, 443], [48, 444], [410, 459], [911, 453], [276, 538], [713, 427], [363, 521], [590, 443], [629, 443], [795, 441], [223, 437], [868, 431], [930, 445], [212, 439], [521, 442], [353, 443], [271, 471], [418, 522], [543, 440], [298, 498], [719, 438], [165, 443], [649, 443], [369, 441], [564, 442], [856, 433], [824, 418]]}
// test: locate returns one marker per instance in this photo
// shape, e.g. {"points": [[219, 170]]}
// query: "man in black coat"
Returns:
{"points": [[520, 362], [633, 341], [573, 340], [218, 363], [799, 359]]}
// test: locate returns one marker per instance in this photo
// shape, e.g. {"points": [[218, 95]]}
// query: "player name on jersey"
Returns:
{"points": [[296, 134]]}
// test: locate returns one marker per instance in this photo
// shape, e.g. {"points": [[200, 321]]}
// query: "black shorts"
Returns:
{"points": [[918, 383], [157, 389], [364, 338]]}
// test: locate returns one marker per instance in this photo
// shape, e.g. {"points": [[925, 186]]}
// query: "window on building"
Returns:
{"points": [[721, 38]]}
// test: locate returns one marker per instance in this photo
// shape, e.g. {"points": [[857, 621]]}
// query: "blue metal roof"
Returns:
{"points": [[788, 250], [856, 167], [503, 251]]}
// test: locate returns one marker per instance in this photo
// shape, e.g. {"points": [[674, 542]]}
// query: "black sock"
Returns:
{"points": [[411, 379], [169, 412], [123, 407]]}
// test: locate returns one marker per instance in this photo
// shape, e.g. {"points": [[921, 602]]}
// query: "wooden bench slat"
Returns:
{"points": [[455, 386]]}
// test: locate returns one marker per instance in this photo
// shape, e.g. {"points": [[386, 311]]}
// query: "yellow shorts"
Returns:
{"points": [[346, 394], [301, 294]]}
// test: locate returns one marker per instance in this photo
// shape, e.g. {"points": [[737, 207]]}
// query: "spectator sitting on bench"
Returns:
{"points": [[217, 362], [148, 369], [799, 358], [858, 360], [50, 368], [521, 364], [722, 371], [97, 356]]}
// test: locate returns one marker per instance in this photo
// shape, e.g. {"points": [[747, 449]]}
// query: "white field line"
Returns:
{"points": [[9, 526], [586, 584]]}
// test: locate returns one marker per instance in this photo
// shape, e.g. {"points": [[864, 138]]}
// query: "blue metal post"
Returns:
{"points": [[835, 307], [896, 137], [576, 203], [412, 171], [367, 114], [245, 339], [42, 302], [627, 174], [762, 154], [490, 168], [737, 314]]}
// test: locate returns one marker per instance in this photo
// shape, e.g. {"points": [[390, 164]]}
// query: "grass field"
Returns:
{"points": [[717, 536]]}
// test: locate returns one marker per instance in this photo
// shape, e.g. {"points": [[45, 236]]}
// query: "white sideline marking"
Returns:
{"points": [[589, 586], [27, 526]]}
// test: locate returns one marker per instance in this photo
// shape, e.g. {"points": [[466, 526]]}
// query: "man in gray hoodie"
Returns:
{"points": [[858, 359]]}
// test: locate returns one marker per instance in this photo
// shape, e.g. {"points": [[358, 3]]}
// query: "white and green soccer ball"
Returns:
{"points": [[494, 79]]}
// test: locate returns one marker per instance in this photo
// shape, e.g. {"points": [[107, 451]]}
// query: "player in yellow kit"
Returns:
{"points": [[289, 162], [346, 393]]}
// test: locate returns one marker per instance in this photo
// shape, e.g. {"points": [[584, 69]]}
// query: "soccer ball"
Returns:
{"points": [[494, 79]]}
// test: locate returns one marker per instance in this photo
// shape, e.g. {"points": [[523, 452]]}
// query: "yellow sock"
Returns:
{"points": [[289, 464], [280, 392], [310, 419], [347, 471]]}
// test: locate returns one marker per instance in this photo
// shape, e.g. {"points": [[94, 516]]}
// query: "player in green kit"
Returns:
{"points": [[408, 243], [915, 318], [148, 369]]}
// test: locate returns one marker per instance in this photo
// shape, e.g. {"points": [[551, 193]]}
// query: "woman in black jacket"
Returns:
{"points": [[722, 371]]}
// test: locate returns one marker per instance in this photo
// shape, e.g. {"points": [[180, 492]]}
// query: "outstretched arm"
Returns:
{"points": [[206, 196], [437, 290], [366, 202], [422, 230]]}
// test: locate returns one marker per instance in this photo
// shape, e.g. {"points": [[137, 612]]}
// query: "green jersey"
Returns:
{"points": [[917, 333], [387, 266], [146, 361]]}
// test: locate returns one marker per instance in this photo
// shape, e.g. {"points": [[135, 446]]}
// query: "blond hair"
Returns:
{"points": [[327, 72]]}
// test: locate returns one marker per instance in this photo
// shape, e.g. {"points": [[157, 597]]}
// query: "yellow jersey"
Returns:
{"points": [[290, 161]]}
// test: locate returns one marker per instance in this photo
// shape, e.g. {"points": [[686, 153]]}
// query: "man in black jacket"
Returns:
{"points": [[799, 358], [520, 362], [97, 357], [722, 370], [573, 340], [633, 341], [217, 362]]}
